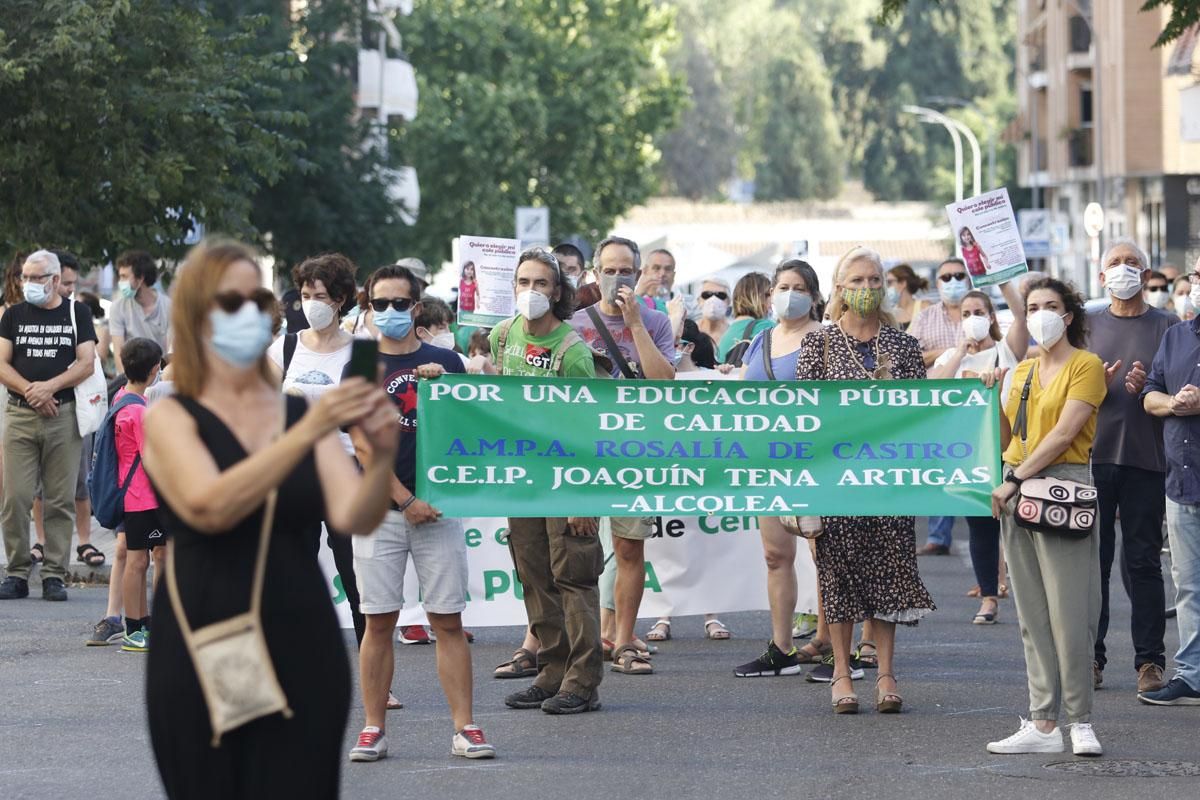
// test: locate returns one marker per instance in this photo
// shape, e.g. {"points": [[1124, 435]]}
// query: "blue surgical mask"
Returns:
{"points": [[891, 298], [126, 289], [35, 293], [240, 338], [954, 290], [393, 324]]}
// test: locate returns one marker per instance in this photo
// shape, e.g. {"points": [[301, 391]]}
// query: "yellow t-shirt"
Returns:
{"points": [[1081, 378]]}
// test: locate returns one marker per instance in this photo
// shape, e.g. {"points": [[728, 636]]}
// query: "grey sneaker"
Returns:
{"points": [[532, 697], [570, 703], [106, 632]]}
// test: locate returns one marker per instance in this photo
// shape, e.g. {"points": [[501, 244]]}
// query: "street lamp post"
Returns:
{"points": [[988, 125], [931, 116]]}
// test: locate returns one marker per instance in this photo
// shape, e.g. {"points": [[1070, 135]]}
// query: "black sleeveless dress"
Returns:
{"points": [[272, 756]]}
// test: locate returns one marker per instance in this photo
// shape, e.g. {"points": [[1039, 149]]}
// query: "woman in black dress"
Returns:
{"points": [[214, 454], [866, 566]]}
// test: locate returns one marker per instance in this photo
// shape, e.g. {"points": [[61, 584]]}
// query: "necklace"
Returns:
{"points": [[883, 362]]}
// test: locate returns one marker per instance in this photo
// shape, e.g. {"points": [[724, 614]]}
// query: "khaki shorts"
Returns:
{"points": [[632, 527]]}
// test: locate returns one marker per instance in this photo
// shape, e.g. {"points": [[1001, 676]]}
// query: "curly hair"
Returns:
{"points": [[1072, 304], [334, 270]]}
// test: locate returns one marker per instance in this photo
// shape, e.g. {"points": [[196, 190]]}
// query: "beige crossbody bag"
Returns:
{"points": [[230, 657]]}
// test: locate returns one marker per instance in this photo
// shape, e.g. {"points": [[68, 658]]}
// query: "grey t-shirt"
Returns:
{"points": [[129, 320], [1125, 433]]}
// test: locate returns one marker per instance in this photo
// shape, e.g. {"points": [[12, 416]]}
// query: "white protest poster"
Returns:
{"points": [[486, 267], [988, 238], [694, 565]]}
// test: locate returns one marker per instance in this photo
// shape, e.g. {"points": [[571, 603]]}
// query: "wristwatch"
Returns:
{"points": [[1011, 477]]}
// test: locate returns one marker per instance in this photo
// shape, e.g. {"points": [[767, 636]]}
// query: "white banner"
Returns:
{"points": [[693, 566]]}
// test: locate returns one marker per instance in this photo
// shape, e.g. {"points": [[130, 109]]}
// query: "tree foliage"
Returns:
{"points": [[553, 103], [122, 120]]}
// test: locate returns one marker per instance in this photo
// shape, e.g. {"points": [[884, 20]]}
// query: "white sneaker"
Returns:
{"points": [[1084, 741], [1028, 739], [372, 745], [470, 743]]}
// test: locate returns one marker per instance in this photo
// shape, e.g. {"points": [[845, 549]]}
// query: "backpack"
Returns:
{"points": [[738, 351], [556, 358], [105, 490]]}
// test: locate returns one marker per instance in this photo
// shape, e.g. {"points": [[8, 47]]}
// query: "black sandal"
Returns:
{"points": [[523, 664], [37, 553], [89, 554]]}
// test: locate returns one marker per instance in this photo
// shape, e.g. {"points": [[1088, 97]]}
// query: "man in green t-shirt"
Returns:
{"points": [[559, 560]]}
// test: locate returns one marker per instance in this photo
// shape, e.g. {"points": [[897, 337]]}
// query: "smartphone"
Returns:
{"points": [[364, 359]]}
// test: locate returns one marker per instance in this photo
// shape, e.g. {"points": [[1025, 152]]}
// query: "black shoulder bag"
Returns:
{"points": [[610, 344]]}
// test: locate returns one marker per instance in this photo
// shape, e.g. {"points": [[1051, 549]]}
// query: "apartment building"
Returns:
{"points": [[1106, 116]]}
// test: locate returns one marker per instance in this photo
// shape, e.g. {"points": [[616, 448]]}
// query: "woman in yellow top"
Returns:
{"points": [[1056, 579]]}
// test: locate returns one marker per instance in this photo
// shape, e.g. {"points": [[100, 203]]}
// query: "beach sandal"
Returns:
{"points": [[523, 664], [88, 554], [813, 652], [659, 631], [629, 661], [37, 553], [847, 704], [887, 702], [715, 629], [643, 649], [867, 660], [393, 703]]}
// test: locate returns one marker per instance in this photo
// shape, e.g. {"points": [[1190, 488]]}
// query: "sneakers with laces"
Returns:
{"points": [[1028, 739], [470, 743], [14, 588], [1084, 741], [107, 631], [1150, 678], [372, 745], [531, 697], [823, 672], [804, 626], [773, 662], [1177, 692], [414, 634], [136, 642], [571, 703]]}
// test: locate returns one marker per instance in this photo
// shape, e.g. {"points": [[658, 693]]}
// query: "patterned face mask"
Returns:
{"points": [[863, 302]]}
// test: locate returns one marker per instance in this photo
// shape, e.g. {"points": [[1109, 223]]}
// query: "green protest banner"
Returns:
{"points": [[526, 447]]}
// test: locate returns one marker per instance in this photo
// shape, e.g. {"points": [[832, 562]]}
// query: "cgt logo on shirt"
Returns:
{"points": [[402, 388], [537, 357]]}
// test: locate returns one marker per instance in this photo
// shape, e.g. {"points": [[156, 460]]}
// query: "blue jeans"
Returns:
{"points": [[940, 529], [1183, 531]]}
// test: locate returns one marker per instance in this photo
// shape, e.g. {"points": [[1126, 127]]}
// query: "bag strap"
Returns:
{"points": [[825, 344], [74, 327], [502, 341], [560, 353], [1021, 423], [610, 344], [289, 350], [137, 460], [260, 565], [766, 354]]}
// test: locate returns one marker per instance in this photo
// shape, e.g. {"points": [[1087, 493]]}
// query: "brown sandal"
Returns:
{"points": [[628, 660], [523, 664], [813, 652], [847, 704], [887, 702]]}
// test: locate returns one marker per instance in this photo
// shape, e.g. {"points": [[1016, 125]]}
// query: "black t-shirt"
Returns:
{"points": [[43, 341], [400, 383]]}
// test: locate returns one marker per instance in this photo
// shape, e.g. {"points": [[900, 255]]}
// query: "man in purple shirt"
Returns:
{"points": [[1171, 393]]}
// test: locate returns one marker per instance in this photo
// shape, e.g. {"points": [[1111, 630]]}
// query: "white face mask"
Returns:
{"points": [[572, 279], [1046, 327], [714, 308], [1157, 299], [977, 328], [320, 315], [1184, 306], [1122, 281], [1194, 295], [953, 291], [532, 305], [791, 305], [445, 339]]}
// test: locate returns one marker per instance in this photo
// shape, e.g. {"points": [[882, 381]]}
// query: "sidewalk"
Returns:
{"points": [[79, 573]]}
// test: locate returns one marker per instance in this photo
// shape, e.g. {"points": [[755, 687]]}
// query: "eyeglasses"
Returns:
{"points": [[718, 295], [380, 304], [1157, 289], [952, 276], [37, 278], [231, 301]]}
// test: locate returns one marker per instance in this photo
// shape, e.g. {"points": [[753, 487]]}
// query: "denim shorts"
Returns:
{"points": [[439, 554]]}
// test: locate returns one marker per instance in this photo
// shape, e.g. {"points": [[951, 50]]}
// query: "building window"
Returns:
{"points": [[1079, 33], [1085, 106]]}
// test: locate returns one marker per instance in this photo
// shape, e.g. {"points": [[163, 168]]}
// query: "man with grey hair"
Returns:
{"points": [[1128, 461], [47, 348]]}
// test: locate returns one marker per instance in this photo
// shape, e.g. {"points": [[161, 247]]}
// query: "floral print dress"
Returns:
{"points": [[866, 566]]}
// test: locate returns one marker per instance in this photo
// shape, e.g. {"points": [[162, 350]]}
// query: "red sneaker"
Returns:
{"points": [[414, 634]]}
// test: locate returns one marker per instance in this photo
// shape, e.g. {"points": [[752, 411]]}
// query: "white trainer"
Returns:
{"points": [[471, 743], [1028, 739], [372, 745], [1084, 741]]}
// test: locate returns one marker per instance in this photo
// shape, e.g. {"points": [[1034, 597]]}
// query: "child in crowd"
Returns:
{"points": [[144, 533]]}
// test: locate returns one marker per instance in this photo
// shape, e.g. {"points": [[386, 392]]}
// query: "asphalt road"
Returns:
{"points": [[72, 722]]}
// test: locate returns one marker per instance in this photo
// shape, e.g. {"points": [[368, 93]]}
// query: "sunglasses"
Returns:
{"points": [[952, 276], [231, 301], [718, 295], [380, 304], [1157, 289]]}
